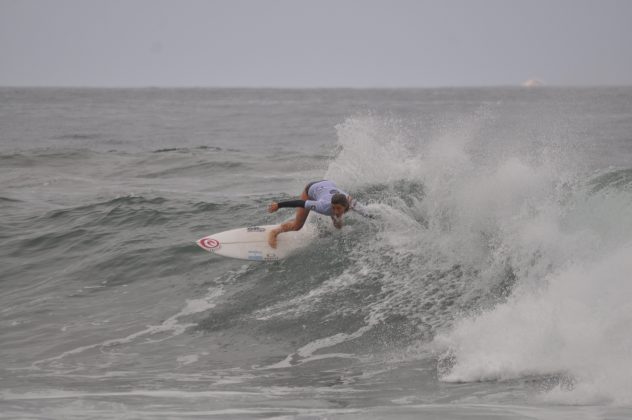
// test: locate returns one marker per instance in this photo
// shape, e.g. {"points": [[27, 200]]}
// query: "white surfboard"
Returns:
{"points": [[251, 243]]}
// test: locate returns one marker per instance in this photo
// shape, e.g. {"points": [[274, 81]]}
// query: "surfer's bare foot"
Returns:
{"points": [[272, 238]]}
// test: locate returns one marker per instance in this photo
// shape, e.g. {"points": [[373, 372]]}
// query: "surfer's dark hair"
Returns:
{"points": [[341, 199]]}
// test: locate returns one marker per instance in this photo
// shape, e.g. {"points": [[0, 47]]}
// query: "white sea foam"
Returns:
{"points": [[578, 326], [533, 221]]}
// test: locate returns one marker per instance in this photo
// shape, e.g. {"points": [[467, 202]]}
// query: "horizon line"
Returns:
{"points": [[323, 87]]}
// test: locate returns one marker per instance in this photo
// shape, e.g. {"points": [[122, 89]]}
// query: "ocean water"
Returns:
{"points": [[495, 280]]}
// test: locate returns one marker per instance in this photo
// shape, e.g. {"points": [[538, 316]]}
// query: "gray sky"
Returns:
{"points": [[314, 43]]}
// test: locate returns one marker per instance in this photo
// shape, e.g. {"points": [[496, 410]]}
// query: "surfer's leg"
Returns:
{"points": [[301, 213], [296, 224]]}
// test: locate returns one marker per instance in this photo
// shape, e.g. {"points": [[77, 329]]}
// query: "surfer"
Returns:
{"points": [[323, 197]]}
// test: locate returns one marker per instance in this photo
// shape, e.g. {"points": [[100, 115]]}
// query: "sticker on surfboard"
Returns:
{"points": [[209, 244]]}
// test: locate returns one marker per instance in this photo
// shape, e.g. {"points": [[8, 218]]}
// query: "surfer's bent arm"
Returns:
{"points": [[291, 203], [319, 206]]}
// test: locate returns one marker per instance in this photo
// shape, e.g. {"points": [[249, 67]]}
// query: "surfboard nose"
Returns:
{"points": [[209, 244]]}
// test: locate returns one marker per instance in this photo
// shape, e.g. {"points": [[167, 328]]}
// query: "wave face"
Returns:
{"points": [[494, 278]]}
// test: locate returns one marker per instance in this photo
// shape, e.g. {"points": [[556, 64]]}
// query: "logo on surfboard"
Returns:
{"points": [[209, 244], [255, 229]]}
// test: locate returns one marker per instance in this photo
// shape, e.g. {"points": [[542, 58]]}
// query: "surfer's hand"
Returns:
{"points": [[273, 207], [337, 222]]}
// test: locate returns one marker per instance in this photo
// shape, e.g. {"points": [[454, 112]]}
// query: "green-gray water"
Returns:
{"points": [[493, 282]]}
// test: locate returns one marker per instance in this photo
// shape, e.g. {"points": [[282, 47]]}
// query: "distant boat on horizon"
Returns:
{"points": [[532, 83]]}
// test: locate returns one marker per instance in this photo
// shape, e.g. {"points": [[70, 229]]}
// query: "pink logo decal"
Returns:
{"points": [[209, 243]]}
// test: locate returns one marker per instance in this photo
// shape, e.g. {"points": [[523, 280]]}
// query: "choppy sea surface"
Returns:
{"points": [[495, 280]]}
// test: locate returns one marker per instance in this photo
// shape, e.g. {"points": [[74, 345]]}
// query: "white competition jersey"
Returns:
{"points": [[320, 195]]}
